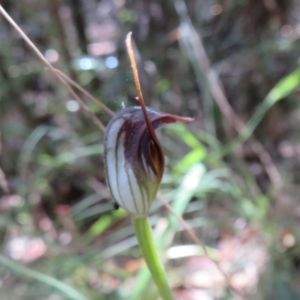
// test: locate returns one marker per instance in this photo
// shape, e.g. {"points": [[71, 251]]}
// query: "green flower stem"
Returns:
{"points": [[145, 238]]}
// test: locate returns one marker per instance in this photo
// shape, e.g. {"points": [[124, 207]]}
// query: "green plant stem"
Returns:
{"points": [[145, 238]]}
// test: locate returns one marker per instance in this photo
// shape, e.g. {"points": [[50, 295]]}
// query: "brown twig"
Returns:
{"points": [[188, 32], [195, 239], [52, 69], [55, 6], [79, 23], [86, 93]]}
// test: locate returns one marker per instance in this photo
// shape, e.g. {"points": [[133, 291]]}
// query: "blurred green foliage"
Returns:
{"points": [[60, 235]]}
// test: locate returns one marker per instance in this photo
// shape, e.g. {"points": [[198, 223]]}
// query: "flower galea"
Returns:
{"points": [[134, 159]]}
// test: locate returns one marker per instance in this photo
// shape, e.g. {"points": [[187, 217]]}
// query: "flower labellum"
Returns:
{"points": [[134, 161]]}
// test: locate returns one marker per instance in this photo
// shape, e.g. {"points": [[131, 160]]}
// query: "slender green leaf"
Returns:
{"points": [[282, 89], [67, 290]]}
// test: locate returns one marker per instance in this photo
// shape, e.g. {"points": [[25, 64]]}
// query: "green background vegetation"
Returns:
{"points": [[233, 173]]}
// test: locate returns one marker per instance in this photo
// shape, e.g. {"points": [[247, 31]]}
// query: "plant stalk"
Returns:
{"points": [[144, 236]]}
